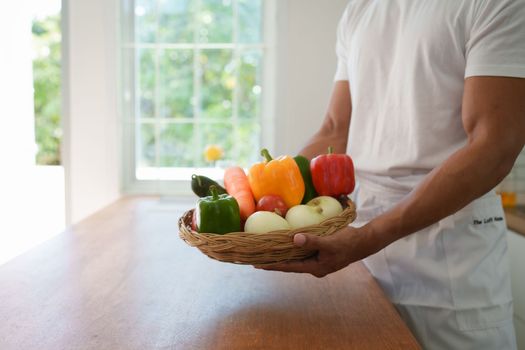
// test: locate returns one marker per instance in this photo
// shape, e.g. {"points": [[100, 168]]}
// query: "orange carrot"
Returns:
{"points": [[237, 185]]}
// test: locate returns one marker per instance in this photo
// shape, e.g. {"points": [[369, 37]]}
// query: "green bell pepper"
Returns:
{"points": [[218, 213], [304, 166]]}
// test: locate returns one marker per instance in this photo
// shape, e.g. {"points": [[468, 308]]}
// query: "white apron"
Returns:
{"points": [[450, 282]]}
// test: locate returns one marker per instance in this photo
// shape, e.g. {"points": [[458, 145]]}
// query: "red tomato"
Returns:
{"points": [[194, 221], [272, 203]]}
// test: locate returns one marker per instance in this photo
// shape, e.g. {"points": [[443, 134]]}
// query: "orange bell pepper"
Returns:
{"points": [[280, 177]]}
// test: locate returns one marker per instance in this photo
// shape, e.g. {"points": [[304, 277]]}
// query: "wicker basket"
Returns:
{"points": [[259, 248]]}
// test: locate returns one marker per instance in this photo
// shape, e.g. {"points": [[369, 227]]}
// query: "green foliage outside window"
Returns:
{"points": [[171, 21], [46, 82], [228, 80]]}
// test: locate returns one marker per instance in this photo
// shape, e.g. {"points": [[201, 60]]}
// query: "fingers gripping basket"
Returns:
{"points": [[259, 248]]}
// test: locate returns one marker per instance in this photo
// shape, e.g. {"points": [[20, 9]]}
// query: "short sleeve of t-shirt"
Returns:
{"points": [[341, 49], [496, 44]]}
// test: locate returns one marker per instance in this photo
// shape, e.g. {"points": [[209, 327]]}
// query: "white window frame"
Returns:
{"points": [[162, 186]]}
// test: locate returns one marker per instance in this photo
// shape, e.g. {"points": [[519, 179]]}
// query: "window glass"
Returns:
{"points": [[194, 81]]}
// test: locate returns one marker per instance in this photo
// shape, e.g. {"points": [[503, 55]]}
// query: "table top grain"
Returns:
{"points": [[122, 279]]}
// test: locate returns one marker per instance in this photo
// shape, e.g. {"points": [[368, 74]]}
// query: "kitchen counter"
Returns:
{"points": [[515, 218], [122, 279]]}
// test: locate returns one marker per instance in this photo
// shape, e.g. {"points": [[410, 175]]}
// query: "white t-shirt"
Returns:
{"points": [[406, 62]]}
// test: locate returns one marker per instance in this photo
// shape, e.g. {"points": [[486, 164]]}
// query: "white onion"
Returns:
{"points": [[329, 206], [265, 221], [303, 215]]}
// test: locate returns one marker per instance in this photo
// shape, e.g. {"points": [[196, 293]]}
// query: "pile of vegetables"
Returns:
{"points": [[276, 194]]}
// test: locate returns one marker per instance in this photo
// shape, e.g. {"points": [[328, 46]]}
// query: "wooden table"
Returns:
{"points": [[122, 279]]}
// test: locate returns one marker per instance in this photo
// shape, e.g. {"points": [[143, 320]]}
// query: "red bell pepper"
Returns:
{"points": [[333, 174]]}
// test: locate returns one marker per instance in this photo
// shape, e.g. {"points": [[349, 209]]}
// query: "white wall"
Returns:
{"points": [[91, 142], [306, 63]]}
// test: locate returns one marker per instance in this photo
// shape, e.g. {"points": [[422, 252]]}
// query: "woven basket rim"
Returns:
{"points": [[259, 248]]}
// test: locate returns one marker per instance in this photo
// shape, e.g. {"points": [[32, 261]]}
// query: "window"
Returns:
{"points": [[31, 185], [46, 80], [192, 77]]}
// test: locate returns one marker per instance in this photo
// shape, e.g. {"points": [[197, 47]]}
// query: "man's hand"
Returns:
{"points": [[334, 252]]}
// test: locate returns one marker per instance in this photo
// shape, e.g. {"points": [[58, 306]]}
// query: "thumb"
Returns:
{"points": [[307, 241]]}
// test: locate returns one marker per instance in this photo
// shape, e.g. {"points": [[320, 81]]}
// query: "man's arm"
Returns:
{"points": [[494, 119], [334, 130]]}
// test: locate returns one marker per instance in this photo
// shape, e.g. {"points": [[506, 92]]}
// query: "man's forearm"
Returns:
{"points": [[465, 176], [493, 118], [319, 144]]}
